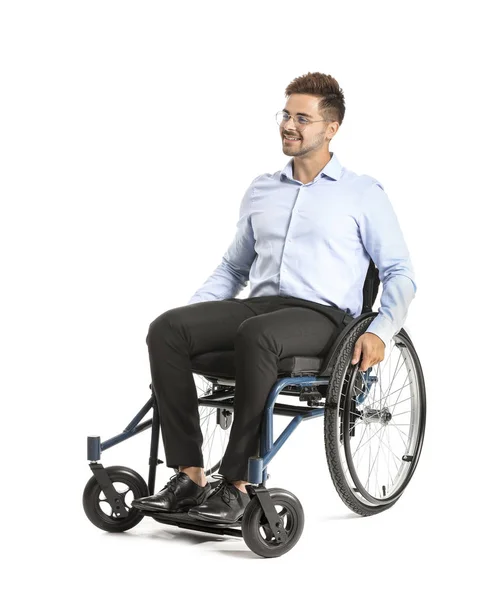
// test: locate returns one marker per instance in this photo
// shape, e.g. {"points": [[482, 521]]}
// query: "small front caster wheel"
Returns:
{"points": [[129, 484], [256, 530]]}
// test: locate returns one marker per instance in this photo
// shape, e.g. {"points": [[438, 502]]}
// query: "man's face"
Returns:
{"points": [[315, 136]]}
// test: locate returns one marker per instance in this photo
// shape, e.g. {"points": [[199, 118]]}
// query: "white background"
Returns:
{"points": [[129, 134]]}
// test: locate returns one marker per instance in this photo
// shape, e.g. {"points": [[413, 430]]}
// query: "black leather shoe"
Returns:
{"points": [[180, 494], [225, 505]]}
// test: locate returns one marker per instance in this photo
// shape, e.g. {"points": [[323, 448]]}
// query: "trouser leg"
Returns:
{"points": [[173, 338], [260, 343]]}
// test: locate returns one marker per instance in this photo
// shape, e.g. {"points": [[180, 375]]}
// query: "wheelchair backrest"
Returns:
{"points": [[370, 289]]}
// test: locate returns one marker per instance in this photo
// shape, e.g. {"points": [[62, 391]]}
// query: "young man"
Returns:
{"points": [[304, 239]]}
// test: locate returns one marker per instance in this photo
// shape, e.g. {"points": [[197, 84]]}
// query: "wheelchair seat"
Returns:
{"points": [[221, 363]]}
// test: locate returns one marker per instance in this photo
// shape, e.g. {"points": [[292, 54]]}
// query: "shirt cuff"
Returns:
{"points": [[381, 327]]}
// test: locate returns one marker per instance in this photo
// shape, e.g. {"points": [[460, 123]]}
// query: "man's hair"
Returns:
{"points": [[331, 105]]}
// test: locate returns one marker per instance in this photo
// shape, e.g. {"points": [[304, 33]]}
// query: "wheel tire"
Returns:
{"points": [[254, 519], [92, 500], [342, 364]]}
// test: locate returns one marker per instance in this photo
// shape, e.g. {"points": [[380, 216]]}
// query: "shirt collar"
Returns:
{"points": [[332, 169]]}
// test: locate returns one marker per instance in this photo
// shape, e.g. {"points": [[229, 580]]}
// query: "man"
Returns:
{"points": [[304, 239]]}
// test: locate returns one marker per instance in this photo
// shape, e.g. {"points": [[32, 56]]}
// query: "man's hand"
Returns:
{"points": [[372, 349]]}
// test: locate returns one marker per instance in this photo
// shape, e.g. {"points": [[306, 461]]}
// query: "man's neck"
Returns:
{"points": [[307, 171]]}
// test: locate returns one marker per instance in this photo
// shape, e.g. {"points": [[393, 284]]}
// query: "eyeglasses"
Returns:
{"points": [[283, 117]]}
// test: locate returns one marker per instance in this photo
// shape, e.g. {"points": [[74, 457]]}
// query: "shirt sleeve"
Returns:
{"points": [[383, 240], [231, 276]]}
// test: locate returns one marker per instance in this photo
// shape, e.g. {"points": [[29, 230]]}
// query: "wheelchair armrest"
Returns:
{"points": [[331, 357]]}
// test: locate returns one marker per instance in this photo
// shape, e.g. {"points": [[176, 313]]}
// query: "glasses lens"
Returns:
{"points": [[283, 117]]}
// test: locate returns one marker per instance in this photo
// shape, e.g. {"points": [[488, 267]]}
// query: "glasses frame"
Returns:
{"points": [[299, 126]]}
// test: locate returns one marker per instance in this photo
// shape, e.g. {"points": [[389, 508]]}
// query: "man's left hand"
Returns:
{"points": [[372, 349]]}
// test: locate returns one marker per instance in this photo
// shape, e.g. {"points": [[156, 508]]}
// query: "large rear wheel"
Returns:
{"points": [[374, 423]]}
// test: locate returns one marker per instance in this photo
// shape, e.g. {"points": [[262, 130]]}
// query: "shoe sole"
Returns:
{"points": [[160, 510]]}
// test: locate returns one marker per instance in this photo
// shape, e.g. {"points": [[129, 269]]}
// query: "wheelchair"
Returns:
{"points": [[374, 423]]}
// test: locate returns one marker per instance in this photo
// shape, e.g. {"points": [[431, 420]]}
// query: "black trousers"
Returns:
{"points": [[261, 331]]}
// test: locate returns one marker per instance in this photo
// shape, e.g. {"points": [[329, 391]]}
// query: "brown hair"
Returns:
{"points": [[331, 105]]}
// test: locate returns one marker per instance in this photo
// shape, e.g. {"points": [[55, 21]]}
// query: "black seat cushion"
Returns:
{"points": [[221, 363]]}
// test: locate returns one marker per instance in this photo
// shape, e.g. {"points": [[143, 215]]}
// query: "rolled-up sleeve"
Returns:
{"points": [[383, 240], [231, 276]]}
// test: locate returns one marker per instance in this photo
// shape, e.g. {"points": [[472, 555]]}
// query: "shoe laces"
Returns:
{"points": [[172, 482], [223, 488]]}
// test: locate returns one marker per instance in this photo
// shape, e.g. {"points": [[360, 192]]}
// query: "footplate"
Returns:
{"points": [[184, 521]]}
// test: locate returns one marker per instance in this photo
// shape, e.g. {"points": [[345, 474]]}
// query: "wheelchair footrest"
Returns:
{"points": [[184, 521]]}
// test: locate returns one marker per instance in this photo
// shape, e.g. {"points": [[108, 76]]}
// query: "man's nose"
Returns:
{"points": [[286, 124]]}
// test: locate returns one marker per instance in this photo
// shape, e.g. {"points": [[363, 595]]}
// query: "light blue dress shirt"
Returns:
{"points": [[314, 241]]}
